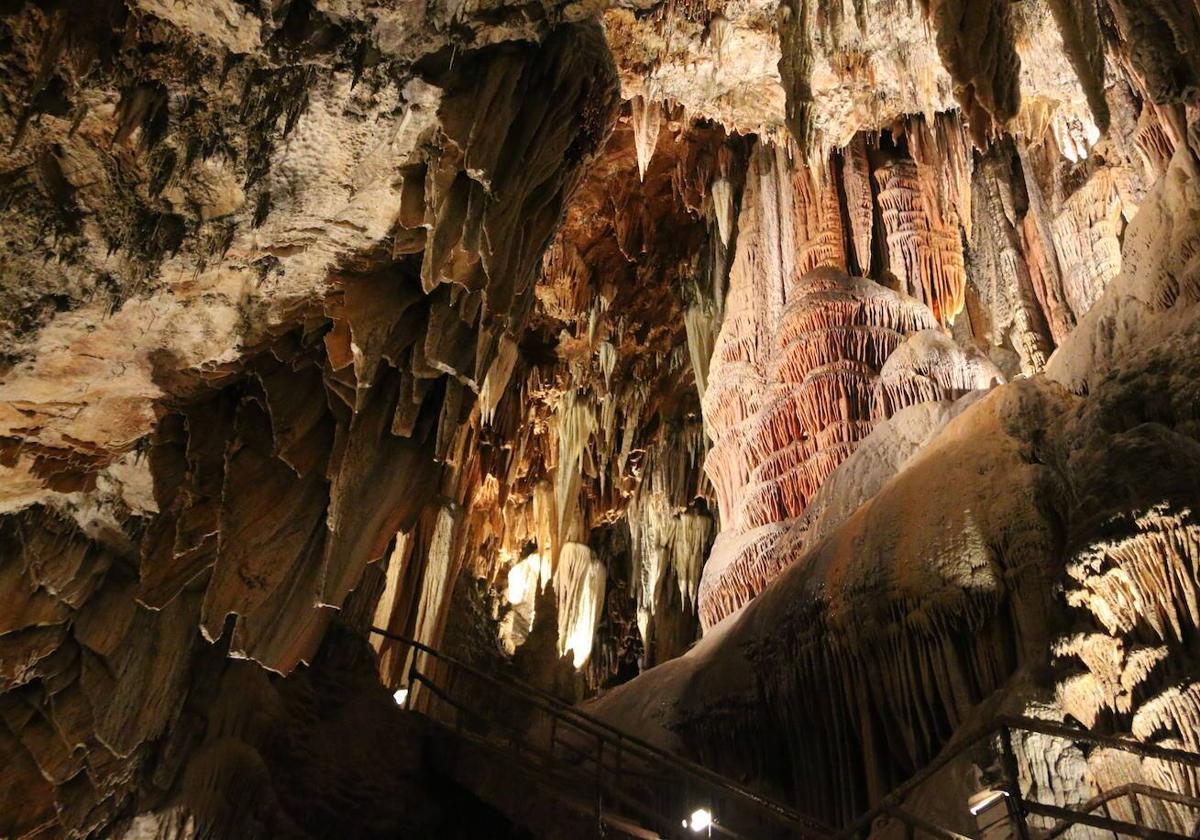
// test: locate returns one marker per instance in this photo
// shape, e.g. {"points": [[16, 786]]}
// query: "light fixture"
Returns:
{"points": [[700, 820], [401, 696], [984, 800]]}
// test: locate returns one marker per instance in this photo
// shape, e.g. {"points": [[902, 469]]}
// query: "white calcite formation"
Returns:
{"points": [[930, 596], [856, 347], [805, 364]]}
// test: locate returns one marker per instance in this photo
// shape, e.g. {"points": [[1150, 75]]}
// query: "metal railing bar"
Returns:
{"points": [[587, 780], [1042, 809], [901, 792], [630, 742], [561, 712], [924, 825], [1045, 727], [549, 761], [1131, 790], [570, 795]]}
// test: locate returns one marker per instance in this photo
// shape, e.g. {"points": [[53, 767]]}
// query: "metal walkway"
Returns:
{"points": [[629, 787]]}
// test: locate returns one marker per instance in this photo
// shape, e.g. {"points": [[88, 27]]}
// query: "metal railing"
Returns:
{"points": [[999, 736], [626, 780]]}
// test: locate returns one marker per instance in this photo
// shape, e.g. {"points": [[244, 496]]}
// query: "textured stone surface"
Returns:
{"points": [[317, 313]]}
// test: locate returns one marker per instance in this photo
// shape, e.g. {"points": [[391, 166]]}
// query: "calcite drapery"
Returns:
{"points": [[297, 240], [1030, 492], [579, 584], [792, 384], [925, 204], [281, 475]]}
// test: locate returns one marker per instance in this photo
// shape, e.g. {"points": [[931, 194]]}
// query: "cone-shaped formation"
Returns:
{"points": [[832, 341], [930, 366], [646, 118], [794, 381]]}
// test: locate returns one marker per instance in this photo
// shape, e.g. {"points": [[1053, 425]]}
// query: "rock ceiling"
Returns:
{"points": [[856, 337]]}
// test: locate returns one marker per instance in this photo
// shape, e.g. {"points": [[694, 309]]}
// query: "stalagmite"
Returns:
{"points": [[812, 359], [829, 346], [928, 367], [1088, 229], [1020, 297]]}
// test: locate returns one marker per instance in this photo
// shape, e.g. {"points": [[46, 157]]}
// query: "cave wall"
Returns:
{"points": [[322, 314], [1053, 522], [280, 475]]}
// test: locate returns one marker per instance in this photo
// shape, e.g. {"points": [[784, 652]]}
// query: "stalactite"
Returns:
{"points": [[1083, 41], [575, 422], [496, 382], [1159, 38], [924, 250], [796, 67], [978, 46], [667, 533], [310, 287], [579, 583], [397, 562], [646, 118], [701, 323], [524, 580], [722, 199], [817, 223], [860, 202]]}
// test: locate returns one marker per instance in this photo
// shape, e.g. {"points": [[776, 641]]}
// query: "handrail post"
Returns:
{"points": [[1135, 806], [412, 671], [599, 785], [1012, 783], [451, 685], [618, 760]]}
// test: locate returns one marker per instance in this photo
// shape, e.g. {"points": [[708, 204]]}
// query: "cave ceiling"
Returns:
{"points": [[778, 343]]}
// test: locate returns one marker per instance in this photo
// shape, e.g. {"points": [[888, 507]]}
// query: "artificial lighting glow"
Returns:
{"points": [[580, 645], [980, 802], [401, 696], [524, 578], [700, 820]]}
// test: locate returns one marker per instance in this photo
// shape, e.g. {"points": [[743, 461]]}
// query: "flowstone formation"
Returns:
{"points": [[805, 364], [1032, 551], [811, 380], [280, 474]]}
